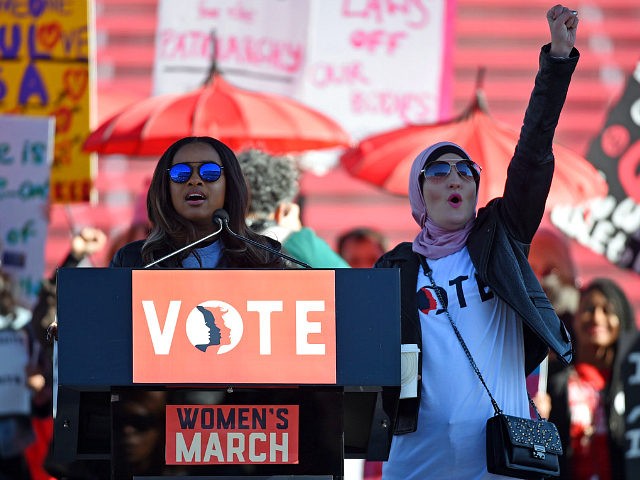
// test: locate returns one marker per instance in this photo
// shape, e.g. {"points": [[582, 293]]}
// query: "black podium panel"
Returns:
{"points": [[351, 418], [94, 305]]}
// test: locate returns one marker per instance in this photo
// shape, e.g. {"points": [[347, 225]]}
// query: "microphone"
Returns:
{"points": [[221, 217], [185, 247]]}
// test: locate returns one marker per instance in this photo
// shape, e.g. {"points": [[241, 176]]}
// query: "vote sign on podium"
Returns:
{"points": [[237, 326]]}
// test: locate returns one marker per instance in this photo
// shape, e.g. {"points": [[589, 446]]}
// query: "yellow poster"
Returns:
{"points": [[44, 71]]}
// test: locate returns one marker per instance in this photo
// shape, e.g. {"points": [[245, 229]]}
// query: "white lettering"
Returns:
{"points": [[634, 357], [214, 449], [264, 308], [634, 448], [161, 338], [283, 448], [184, 454], [600, 236], [626, 216], [604, 229], [616, 247], [253, 439], [571, 221], [633, 416], [603, 208], [235, 446], [305, 327], [634, 112]]}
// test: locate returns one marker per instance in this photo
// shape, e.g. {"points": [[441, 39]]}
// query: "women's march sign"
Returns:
{"points": [[232, 434], [44, 71], [26, 151], [369, 65], [611, 226]]}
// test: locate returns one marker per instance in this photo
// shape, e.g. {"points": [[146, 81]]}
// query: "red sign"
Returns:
{"points": [[232, 434], [234, 326]]}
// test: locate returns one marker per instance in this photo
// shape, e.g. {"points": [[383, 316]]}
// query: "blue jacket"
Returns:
{"points": [[499, 241]]}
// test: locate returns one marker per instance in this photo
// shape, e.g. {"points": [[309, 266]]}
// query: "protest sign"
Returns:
{"points": [[44, 71], [26, 152], [610, 226], [371, 66]]}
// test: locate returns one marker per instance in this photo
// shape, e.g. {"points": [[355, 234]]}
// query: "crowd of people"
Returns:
{"points": [[489, 272]]}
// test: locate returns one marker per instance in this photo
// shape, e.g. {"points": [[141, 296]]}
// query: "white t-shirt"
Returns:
{"points": [[450, 440]]}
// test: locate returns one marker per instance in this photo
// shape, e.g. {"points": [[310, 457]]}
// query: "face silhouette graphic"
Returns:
{"points": [[214, 331], [214, 323]]}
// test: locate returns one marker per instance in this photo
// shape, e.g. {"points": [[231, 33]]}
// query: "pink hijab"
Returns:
{"points": [[434, 241]]}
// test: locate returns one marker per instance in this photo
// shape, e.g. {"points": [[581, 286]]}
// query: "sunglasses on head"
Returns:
{"points": [[208, 171], [439, 170]]}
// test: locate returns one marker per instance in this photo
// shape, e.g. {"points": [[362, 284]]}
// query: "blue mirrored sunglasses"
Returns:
{"points": [[208, 171], [440, 170]]}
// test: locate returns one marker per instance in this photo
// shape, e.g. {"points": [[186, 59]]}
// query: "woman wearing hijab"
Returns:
{"points": [[478, 263]]}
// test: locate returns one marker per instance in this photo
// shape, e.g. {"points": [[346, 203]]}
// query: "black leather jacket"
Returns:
{"points": [[499, 242]]}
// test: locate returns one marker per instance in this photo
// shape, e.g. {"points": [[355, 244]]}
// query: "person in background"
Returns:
{"points": [[551, 261], [20, 377], [139, 423], [139, 227], [587, 399], [470, 270], [274, 185], [85, 243], [361, 247], [194, 178]]}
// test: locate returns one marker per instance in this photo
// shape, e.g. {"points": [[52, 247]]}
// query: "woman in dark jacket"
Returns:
{"points": [[587, 399], [195, 177], [473, 269]]}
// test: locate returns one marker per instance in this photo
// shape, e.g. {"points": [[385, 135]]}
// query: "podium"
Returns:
{"points": [[296, 370]]}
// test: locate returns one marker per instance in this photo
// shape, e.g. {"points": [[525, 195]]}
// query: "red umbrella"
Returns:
{"points": [[240, 118], [385, 159]]}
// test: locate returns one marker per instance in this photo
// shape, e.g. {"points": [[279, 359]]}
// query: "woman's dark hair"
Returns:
{"points": [[616, 384], [170, 231]]}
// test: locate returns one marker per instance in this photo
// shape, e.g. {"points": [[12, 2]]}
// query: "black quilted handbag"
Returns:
{"points": [[522, 447]]}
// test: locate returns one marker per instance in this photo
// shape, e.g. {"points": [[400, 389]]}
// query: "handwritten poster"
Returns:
{"points": [[44, 71], [371, 66], [26, 152]]}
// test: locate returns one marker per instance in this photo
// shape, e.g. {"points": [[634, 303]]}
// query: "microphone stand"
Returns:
{"points": [[225, 222], [185, 247]]}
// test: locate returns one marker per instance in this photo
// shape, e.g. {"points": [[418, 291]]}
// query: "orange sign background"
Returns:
{"points": [[232, 434], [283, 347]]}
